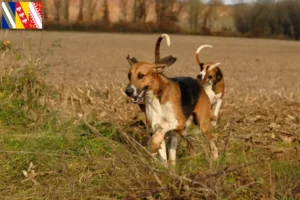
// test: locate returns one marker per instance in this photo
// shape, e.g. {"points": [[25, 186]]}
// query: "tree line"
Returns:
{"points": [[264, 18], [268, 18]]}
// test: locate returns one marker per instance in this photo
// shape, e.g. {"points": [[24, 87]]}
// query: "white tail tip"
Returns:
{"points": [[202, 47], [167, 38]]}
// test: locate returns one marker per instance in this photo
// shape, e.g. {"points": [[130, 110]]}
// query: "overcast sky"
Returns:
{"points": [[233, 1]]}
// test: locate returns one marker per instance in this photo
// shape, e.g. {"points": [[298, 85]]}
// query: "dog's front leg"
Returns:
{"points": [[216, 111], [162, 151], [158, 136]]}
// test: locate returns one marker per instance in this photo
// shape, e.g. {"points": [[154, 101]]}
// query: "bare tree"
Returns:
{"points": [[212, 5], [141, 9], [45, 9], [241, 16], [269, 18], [92, 8], [163, 8], [194, 7], [105, 18], [67, 6], [123, 9], [80, 14], [57, 5]]}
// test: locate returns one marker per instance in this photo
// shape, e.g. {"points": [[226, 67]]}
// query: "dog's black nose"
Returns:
{"points": [[129, 91], [200, 76]]}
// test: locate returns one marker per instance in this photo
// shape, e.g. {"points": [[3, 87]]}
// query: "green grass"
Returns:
{"points": [[82, 164], [67, 154]]}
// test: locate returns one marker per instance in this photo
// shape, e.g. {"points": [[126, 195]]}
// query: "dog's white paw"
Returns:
{"points": [[213, 123]]}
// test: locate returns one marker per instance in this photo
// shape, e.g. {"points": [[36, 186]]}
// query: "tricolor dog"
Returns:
{"points": [[170, 103], [168, 60], [212, 79]]}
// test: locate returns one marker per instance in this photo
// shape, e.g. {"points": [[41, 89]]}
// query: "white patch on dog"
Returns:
{"points": [[202, 47], [162, 119], [210, 93], [173, 146], [202, 73], [215, 100], [218, 106], [213, 97], [159, 114], [167, 38], [169, 115], [163, 152], [153, 110]]}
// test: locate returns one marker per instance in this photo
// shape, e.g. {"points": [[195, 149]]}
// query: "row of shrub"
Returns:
{"points": [[121, 26]]}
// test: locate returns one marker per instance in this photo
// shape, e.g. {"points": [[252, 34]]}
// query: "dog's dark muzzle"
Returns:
{"points": [[129, 91], [200, 76]]}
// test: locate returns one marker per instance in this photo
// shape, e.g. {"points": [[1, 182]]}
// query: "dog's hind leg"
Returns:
{"points": [[172, 149], [202, 114]]}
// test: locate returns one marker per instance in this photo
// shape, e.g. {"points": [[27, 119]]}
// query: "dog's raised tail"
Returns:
{"points": [[157, 46], [198, 51]]}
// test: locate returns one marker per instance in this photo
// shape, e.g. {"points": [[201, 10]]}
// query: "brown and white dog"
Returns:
{"points": [[170, 103], [168, 60], [212, 79]]}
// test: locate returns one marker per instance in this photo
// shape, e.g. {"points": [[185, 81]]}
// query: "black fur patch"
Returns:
{"points": [[201, 66], [142, 107], [190, 92], [219, 74]]}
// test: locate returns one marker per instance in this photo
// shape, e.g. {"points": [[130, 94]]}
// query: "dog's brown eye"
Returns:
{"points": [[210, 77], [129, 76], [140, 76]]}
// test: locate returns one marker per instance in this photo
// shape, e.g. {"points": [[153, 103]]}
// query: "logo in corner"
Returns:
{"points": [[22, 15]]}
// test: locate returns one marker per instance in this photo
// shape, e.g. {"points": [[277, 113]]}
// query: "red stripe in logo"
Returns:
{"points": [[22, 15]]}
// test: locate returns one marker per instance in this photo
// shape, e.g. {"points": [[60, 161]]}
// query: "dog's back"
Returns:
{"points": [[190, 92]]}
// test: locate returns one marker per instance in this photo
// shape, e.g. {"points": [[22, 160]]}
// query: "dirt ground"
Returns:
{"points": [[260, 116], [249, 65]]}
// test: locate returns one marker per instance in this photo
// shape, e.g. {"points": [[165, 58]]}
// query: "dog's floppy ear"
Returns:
{"points": [[168, 61], [201, 66], [159, 68], [219, 74], [132, 60]]}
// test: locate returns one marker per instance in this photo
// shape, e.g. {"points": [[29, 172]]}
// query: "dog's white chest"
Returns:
{"points": [[211, 94], [159, 113]]}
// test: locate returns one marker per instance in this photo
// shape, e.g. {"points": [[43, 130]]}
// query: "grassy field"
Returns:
{"points": [[67, 131]]}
